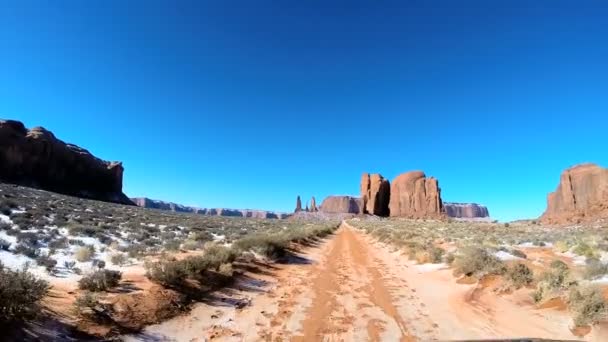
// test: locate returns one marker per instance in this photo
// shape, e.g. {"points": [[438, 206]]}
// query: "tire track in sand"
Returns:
{"points": [[351, 298]]}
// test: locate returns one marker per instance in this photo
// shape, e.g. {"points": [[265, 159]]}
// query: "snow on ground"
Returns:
{"points": [[218, 237], [5, 219], [603, 280], [504, 256], [532, 245], [424, 268], [8, 238], [578, 260]]}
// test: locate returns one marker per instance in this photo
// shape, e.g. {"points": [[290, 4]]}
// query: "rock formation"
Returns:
{"points": [[582, 195], [415, 196], [375, 194], [36, 158], [298, 205], [250, 213], [341, 204], [465, 210], [313, 205]]}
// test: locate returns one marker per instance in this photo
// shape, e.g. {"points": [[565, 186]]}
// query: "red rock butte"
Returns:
{"points": [[582, 195]]}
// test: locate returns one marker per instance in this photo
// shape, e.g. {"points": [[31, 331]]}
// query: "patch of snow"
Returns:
{"points": [[5, 219], [578, 260], [602, 280], [430, 267], [532, 245], [8, 238], [18, 211], [218, 237], [504, 256]]}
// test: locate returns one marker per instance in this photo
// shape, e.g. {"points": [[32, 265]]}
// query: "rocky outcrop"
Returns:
{"points": [[375, 194], [341, 204], [250, 213], [36, 158], [465, 210], [313, 205], [415, 196], [582, 195], [298, 205]]}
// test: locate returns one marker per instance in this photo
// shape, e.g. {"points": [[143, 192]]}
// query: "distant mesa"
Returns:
{"points": [[341, 204], [413, 195], [582, 195], [169, 206], [36, 158], [465, 210]]}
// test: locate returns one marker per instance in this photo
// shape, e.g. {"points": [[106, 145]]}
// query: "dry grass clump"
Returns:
{"points": [[84, 254], [519, 275], [553, 282], [587, 305], [100, 280], [477, 262], [20, 293]]}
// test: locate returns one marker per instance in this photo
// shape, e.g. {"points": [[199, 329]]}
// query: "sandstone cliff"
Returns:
{"points": [[375, 194], [415, 196], [465, 210], [36, 158], [251, 213], [582, 195], [341, 204]]}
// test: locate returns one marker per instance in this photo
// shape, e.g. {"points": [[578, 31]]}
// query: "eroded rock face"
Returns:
{"points": [[298, 205], [375, 194], [36, 158], [341, 204], [413, 195], [582, 195], [313, 205], [465, 210]]}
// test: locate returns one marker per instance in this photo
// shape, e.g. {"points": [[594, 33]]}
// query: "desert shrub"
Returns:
{"points": [[553, 281], [69, 265], [519, 275], [76, 242], [477, 261], [587, 304], [135, 250], [449, 258], [172, 245], [226, 270], [29, 238], [20, 292], [84, 254], [118, 259], [271, 246], [582, 248], [27, 250], [4, 245], [86, 305], [59, 243], [99, 263], [171, 273], [216, 255], [5, 226], [594, 268], [100, 280], [518, 253], [46, 261], [191, 245]]}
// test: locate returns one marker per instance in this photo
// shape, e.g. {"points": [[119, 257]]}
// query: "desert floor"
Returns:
{"points": [[352, 288]]}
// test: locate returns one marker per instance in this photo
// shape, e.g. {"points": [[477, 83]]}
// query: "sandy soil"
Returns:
{"points": [[352, 288]]}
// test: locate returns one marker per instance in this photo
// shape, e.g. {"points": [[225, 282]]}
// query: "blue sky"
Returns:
{"points": [[247, 104]]}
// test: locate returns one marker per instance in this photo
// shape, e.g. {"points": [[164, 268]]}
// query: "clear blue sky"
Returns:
{"points": [[247, 104]]}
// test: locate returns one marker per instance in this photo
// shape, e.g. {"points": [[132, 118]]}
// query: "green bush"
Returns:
{"points": [[587, 304], [553, 281], [271, 246], [100, 280], [519, 275], [20, 293], [477, 261], [84, 254], [171, 273], [594, 268]]}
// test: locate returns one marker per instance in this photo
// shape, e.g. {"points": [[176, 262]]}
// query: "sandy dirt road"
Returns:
{"points": [[351, 288]]}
